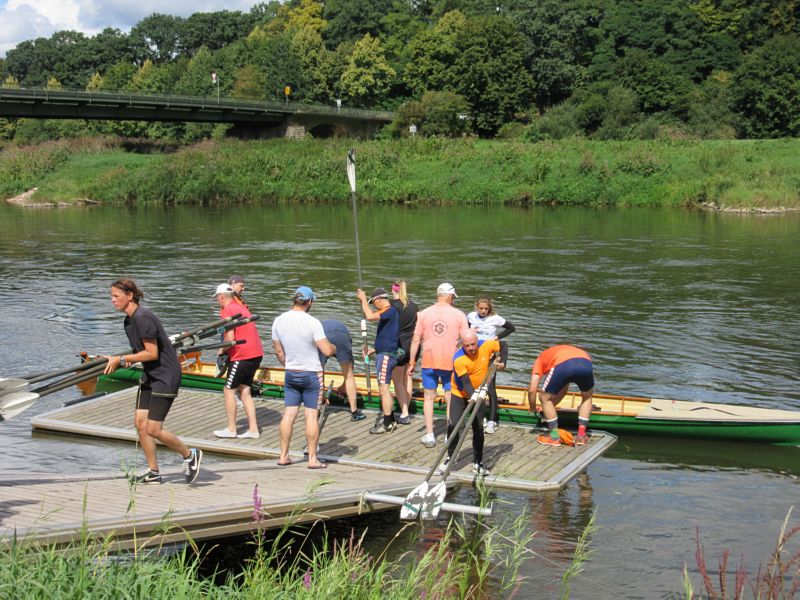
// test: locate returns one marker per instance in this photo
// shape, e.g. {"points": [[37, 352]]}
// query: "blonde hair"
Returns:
{"points": [[487, 300], [399, 288]]}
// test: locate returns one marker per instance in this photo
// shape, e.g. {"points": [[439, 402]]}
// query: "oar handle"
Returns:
{"points": [[81, 367], [214, 346], [238, 322], [216, 324], [66, 382]]}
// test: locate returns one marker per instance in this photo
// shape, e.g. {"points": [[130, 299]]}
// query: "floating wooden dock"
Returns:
{"points": [[220, 502]]}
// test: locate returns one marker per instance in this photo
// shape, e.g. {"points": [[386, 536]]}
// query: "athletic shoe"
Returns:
{"points": [[224, 433], [491, 427], [149, 477], [381, 428], [249, 435], [428, 440], [191, 465], [480, 469], [581, 440], [547, 440], [404, 420], [357, 416], [443, 466]]}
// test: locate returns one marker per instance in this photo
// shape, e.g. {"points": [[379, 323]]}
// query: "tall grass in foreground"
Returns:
{"points": [[778, 580], [474, 562]]}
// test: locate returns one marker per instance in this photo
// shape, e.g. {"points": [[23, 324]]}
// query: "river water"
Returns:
{"points": [[670, 303]]}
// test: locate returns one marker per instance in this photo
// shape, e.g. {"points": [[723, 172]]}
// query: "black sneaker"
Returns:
{"points": [[357, 416], [381, 428], [480, 469], [149, 477], [443, 467], [191, 465], [404, 420]]}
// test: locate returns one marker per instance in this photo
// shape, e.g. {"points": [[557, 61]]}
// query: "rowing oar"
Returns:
{"points": [[425, 502], [14, 403], [179, 337], [365, 352], [322, 417], [189, 343], [16, 384]]}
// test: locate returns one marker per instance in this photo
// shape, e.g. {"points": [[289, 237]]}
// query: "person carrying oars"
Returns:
{"points": [[470, 366], [159, 384]]}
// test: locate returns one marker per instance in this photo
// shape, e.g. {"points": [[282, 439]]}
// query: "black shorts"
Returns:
{"points": [[242, 372], [157, 404]]}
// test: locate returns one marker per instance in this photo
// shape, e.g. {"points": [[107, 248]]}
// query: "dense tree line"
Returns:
{"points": [[606, 69]]}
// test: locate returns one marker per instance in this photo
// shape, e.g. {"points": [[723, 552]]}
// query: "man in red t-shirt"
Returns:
{"points": [[560, 366], [244, 362]]}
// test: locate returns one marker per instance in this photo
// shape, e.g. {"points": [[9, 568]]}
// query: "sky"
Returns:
{"points": [[29, 19]]}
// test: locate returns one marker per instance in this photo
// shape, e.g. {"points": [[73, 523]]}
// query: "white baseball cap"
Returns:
{"points": [[446, 288], [223, 288]]}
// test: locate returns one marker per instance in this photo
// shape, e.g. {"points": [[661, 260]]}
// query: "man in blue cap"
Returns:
{"points": [[296, 338]]}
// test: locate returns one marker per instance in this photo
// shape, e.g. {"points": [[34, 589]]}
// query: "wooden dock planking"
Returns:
{"points": [[512, 453], [55, 509]]}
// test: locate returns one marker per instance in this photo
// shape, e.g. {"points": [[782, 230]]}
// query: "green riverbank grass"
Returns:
{"points": [[746, 174]]}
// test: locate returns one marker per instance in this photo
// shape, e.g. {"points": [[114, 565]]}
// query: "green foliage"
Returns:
{"points": [[349, 20], [766, 88], [438, 113], [367, 75]]}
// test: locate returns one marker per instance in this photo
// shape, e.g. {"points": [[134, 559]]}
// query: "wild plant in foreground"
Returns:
{"points": [[778, 580]]}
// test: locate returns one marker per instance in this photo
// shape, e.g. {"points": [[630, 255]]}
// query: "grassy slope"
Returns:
{"points": [[759, 174]]}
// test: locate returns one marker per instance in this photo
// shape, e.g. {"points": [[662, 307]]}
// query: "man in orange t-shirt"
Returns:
{"points": [[560, 366], [438, 329]]}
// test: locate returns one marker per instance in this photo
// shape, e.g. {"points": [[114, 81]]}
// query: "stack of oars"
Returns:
{"points": [[15, 398]]}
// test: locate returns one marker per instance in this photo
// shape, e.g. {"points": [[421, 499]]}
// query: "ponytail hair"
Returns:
{"points": [[399, 287], [128, 285]]}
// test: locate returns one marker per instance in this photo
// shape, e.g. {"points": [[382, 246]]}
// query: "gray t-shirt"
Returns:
{"points": [[298, 332]]}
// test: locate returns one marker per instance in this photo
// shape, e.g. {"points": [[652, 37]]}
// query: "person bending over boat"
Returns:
{"points": [[387, 343], [560, 366], [243, 362], [159, 383], [485, 322], [296, 337], [408, 320], [470, 367], [438, 329], [339, 335]]}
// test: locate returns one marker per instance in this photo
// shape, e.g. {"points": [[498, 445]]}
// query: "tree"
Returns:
{"points": [[119, 76], [213, 30], [349, 20], [367, 76], [490, 72], [10, 82], [318, 65], [95, 83], [307, 15], [766, 88], [249, 83], [432, 54], [195, 80], [160, 36]]}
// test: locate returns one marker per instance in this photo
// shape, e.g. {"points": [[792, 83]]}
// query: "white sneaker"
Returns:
{"points": [[224, 433], [429, 440], [249, 435], [491, 427]]}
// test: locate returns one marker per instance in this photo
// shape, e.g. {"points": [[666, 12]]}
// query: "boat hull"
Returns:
{"points": [[617, 414]]}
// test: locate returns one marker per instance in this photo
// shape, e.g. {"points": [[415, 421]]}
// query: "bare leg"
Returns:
{"points": [[249, 408], [312, 435], [400, 378], [387, 402], [287, 424], [155, 429], [350, 385], [230, 408], [429, 398], [585, 410], [145, 440]]}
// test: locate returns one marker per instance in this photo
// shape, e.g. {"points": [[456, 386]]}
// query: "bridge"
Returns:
{"points": [[251, 118]]}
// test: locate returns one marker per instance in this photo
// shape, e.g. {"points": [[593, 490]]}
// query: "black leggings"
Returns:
{"points": [[457, 407], [493, 399]]}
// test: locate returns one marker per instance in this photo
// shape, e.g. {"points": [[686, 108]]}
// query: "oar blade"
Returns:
{"points": [[410, 510], [13, 404], [11, 385], [433, 501]]}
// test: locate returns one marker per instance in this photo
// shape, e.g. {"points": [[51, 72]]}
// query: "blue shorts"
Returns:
{"points": [[432, 377], [384, 363], [344, 347], [303, 386], [575, 370]]}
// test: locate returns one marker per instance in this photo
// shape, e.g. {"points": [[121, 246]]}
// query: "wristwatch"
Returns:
{"points": [[122, 362]]}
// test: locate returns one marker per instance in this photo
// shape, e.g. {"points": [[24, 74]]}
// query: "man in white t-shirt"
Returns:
{"points": [[296, 337]]}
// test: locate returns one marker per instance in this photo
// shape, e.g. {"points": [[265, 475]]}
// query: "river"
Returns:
{"points": [[670, 303]]}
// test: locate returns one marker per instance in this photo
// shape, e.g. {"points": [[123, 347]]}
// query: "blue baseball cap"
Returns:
{"points": [[305, 293]]}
